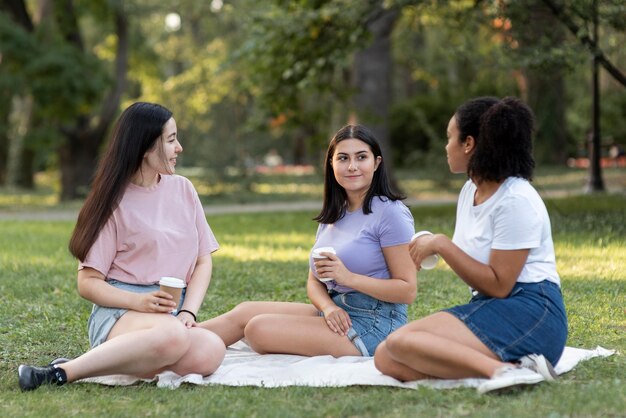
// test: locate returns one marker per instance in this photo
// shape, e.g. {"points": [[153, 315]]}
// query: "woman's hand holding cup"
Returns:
{"points": [[418, 247]]}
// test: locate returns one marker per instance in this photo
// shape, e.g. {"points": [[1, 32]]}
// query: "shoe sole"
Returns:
{"points": [[494, 385]]}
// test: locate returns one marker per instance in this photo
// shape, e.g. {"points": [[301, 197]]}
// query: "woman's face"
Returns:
{"points": [[354, 164], [162, 158], [456, 151]]}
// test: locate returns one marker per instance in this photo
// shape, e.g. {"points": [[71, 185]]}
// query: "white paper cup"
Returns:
{"points": [[174, 287], [316, 255], [431, 261]]}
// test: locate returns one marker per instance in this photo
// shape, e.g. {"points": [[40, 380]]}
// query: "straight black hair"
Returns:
{"points": [[335, 197]]}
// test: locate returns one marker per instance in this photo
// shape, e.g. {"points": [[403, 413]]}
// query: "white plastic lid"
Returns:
{"points": [[172, 282], [316, 251]]}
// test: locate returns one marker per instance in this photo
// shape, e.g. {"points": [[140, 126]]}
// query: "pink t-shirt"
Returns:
{"points": [[154, 232]]}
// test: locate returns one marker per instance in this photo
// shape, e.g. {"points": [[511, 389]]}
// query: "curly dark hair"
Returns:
{"points": [[502, 129]]}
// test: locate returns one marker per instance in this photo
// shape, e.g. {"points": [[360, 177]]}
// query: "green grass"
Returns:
{"points": [[263, 256]]}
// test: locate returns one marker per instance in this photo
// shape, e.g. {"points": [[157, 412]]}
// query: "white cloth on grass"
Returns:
{"points": [[244, 367]]}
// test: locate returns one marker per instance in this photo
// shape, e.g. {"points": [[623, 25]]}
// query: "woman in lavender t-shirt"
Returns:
{"points": [[373, 276], [140, 222]]}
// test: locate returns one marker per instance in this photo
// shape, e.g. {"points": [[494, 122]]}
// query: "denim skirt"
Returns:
{"points": [[102, 318], [372, 319], [530, 320]]}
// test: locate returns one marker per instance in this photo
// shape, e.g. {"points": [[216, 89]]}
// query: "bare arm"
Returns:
{"points": [[401, 287], [196, 290], [496, 278], [93, 287]]}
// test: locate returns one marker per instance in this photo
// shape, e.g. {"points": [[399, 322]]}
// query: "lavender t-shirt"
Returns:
{"points": [[359, 239], [154, 232]]}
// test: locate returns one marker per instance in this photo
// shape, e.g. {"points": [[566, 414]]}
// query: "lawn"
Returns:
{"points": [[263, 256]]}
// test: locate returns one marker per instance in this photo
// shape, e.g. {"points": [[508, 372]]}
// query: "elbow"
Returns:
{"points": [[82, 287], [409, 296]]}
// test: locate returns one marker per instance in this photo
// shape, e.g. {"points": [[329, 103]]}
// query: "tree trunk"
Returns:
{"points": [[4, 137], [372, 70], [79, 154], [78, 157], [545, 89], [19, 123]]}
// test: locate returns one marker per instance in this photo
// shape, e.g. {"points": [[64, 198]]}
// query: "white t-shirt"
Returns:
{"points": [[514, 218]]}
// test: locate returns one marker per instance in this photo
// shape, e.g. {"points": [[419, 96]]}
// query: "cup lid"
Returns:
{"points": [[419, 234], [318, 250], [171, 282]]}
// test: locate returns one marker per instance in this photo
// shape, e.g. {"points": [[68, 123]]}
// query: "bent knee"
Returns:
{"points": [[257, 332], [207, 353], [171, 340]]}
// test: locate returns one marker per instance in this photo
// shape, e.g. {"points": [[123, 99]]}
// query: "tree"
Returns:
{"points": [[48, 60]]}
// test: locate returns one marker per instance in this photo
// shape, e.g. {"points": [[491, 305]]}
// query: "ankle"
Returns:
{"points": [[60, 375]]}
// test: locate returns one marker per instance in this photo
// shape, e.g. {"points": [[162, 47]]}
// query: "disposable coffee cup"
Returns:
{"points": [[431, 261], [316, 255], [173, 286]]}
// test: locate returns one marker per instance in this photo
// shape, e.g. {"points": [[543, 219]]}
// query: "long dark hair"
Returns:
{"points": [[502, 130], [335, 197], [135, 133]]}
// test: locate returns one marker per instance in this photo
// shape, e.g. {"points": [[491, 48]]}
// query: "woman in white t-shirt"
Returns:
{"points": [[140, 222], [514, 326]]}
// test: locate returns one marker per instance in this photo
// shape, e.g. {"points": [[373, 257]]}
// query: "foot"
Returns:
{"points": [[31, 377], [539, 364], [508, 377]]}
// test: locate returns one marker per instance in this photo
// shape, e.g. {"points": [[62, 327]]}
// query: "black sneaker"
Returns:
{"points": [[31, 377]]}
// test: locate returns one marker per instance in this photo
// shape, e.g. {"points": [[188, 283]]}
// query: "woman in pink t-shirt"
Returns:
{"points": [[140, 222]]}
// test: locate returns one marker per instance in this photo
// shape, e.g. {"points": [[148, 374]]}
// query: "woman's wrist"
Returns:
{"points": [[189, 312]]}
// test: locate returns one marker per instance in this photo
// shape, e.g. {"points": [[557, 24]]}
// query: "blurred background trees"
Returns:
{"points": [[244, 77]]}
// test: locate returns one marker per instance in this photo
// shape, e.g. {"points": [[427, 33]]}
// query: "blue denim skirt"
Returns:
{"points": [[530, 320], [102, 318], [372, 319]]}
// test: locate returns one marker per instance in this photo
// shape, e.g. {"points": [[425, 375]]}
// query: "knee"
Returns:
{"points": [[243, 312], [208, 353], [381, 358], [256, 332], [394, 342], [171, 341]]}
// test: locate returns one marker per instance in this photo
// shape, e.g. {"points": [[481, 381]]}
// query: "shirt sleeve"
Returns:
{"points": [[516, 225], [102, 253], [396, 225], [207, 243]]}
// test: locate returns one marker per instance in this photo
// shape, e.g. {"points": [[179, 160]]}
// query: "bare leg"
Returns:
{"points": [[143, 344], [296, 334], [230, 325], [439, 346]]}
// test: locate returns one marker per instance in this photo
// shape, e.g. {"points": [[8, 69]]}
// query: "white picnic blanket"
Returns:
{"points": [[244, 367]]}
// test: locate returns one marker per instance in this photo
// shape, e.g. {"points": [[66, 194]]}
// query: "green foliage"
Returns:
{"points": [[44, 65], [263, 256]]}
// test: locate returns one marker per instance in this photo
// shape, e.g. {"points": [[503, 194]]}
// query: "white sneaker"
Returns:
{"points": [[508, 376], [538, 363]]}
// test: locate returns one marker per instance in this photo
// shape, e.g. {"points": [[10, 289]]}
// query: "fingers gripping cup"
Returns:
{"points": [[174, 287], [317, 256], [431, 261]]}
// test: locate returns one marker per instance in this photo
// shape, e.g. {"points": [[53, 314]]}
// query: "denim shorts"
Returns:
{"points": [[372, 319], [102, 318], [530, 320]]}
